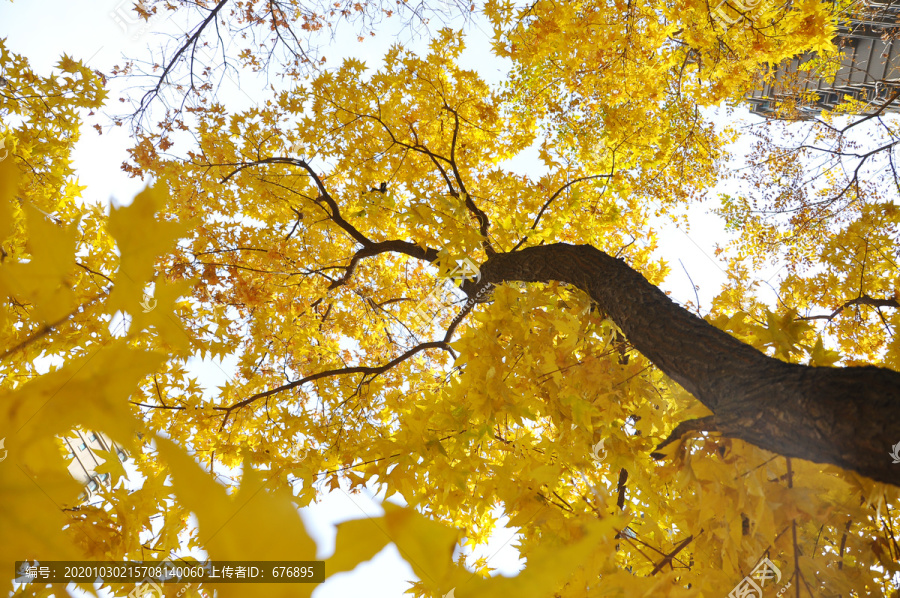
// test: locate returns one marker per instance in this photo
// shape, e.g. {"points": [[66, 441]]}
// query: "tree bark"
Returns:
{"points": [[848, 417]]}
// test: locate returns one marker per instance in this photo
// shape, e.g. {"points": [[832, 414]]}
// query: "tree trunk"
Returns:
{"points": [[848, 417]]}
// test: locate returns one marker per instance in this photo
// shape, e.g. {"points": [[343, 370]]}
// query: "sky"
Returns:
{"points": [[100, 32]]}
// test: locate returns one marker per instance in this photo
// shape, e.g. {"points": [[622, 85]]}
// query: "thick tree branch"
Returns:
{"points": [[370, 248], [395, 246], [849, 417]]}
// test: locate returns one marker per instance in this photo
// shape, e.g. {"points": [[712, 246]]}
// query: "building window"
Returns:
{"points": [[93, 437], [82, 446], [93, 485], [104, 477], [122, 456]]}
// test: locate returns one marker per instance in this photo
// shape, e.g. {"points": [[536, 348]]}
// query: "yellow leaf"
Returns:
{"points": [[425, 544], [91, 392], [30, 507], [158, 312], [141, 240], [549, 565], [111, 465], [820, 356], [546, 474], [357, 541], [9, 182], [256, 524], [42, 280]]}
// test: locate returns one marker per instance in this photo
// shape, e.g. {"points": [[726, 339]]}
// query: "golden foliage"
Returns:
{"points": [[296, 258]]}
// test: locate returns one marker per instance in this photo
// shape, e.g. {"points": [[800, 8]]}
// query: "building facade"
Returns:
{"points": [[84, 461], [869, 70]]}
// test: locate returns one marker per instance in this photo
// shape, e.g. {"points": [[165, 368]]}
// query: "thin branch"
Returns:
{"points": [[863, 300], [190, 41], [668, 558], [875, 114], [701, 424], [157, 406], [373, 371], [101, 274], [696, 296], [553, 197], [47, 328], [483, 222]]}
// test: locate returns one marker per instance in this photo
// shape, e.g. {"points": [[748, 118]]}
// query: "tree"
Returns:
{"points": [[640, 449], [54, 310]]}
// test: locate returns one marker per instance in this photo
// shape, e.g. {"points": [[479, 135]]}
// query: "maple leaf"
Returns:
{"points": [[110, 465], [254, 524], [141, 239]]}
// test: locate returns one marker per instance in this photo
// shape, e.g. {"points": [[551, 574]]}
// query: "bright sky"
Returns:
{"points": [[99, 33]]}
